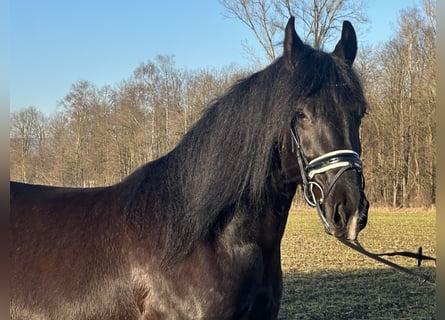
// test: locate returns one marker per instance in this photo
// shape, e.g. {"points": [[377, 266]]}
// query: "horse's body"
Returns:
{"points": [[196, 234], [104, 267]]}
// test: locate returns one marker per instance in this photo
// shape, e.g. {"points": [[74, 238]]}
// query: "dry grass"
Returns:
{"points": [[323, 279]]}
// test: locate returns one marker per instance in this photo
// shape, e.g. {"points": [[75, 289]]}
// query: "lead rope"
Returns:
{"points": [[419, 256]]}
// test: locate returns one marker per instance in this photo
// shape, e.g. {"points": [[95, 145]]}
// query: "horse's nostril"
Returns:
{"points": [[337, 217], [339, 213]]}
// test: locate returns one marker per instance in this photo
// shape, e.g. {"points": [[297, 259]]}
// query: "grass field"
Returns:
{"points": [[324, 279]]}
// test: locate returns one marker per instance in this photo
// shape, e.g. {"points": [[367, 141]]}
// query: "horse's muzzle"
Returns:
{"points": [[348, 228]]}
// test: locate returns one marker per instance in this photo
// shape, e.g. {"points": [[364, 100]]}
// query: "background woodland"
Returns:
{"points": [[99, 135]]}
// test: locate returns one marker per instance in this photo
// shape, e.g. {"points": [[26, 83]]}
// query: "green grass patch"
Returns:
{"points": [[324, 279]]}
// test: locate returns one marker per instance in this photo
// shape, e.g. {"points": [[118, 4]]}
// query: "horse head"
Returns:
{"points": [[322, 146]]}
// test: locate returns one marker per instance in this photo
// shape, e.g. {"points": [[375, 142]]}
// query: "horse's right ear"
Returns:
{"points": [[292, 44]]}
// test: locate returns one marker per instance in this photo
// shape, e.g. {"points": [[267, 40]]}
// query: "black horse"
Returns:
{"points": [[196, 233]]}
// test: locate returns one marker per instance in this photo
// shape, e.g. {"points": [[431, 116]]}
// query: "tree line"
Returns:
{"points": [[99, 135]]}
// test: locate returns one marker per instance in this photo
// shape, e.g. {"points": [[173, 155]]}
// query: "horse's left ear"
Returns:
{"points": [[346, 48], [293, 46]]}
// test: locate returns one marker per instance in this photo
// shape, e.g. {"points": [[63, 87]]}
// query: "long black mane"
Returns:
{"points": [[224, 163]]}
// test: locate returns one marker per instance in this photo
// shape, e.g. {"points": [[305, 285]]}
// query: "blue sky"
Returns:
{"points": [[55, 43]]}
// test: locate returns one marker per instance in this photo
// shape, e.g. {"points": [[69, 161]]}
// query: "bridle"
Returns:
{"points": [[343, 160]]}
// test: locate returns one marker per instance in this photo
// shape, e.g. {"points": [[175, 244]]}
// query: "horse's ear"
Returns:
{"points": [[292, 44], [346, 48]]}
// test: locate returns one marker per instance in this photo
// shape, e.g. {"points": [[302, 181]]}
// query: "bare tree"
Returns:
{"points": [[320, 17], [28, 143], [131, 127], [399, 138], [87, 109], [260, 17], [317, 18]]}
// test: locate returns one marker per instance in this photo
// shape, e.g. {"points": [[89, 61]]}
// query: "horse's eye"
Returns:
{"points": [[300, 115]]}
